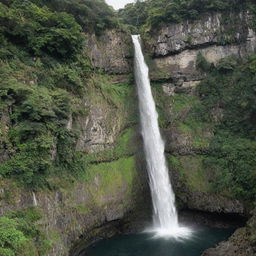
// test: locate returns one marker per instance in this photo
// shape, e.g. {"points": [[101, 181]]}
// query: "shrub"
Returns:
{"points": [[40, 30], [11, 239], [20, 234]]}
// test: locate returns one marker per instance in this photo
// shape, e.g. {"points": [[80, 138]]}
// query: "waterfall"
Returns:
{"points": [[165, 218], [35, 203]]}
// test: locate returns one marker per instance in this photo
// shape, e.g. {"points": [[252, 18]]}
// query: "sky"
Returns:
{"points": [[117, 4]]}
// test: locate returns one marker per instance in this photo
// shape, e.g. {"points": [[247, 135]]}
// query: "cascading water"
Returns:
{"points": [[165, 218]]}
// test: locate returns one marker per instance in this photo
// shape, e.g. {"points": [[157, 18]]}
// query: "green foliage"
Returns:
{"points": [[37, 115], [233, 91], [151, 13], [191, 172], [40, 30], [113, 177], [39, 98], [20, 235], [203, 64], [67, 158], [11, 239], [252, 9], [232, 162], [229, 90], [134, 14], [92, 15], [114, 93]]}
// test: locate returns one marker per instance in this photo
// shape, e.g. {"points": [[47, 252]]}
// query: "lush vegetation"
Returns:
{"points": [[218, 125], [20, 235], [43, 75], [134, 14], [151, 13], [228, 97], [39, 101], [91, 15], [40, 29]]}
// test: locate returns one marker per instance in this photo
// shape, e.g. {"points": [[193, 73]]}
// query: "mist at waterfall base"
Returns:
{"points": [[165, 218]]}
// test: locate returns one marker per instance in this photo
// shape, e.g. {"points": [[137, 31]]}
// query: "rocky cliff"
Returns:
{"points": [[111, 52], [109, 194], [173, 52], [172, 57], [174, 47], [114, 185]]}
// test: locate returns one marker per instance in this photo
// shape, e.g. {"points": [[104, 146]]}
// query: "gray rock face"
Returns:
{"points": [[104, 120], [111, 52], [213, 203], [217, 29], [175, 47], [96, 131]]}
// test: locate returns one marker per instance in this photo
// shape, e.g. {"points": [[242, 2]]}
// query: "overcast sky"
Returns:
{"points": [[117, 4]]}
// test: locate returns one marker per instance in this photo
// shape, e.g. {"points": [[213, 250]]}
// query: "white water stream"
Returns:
{"points": [[165, 218]]}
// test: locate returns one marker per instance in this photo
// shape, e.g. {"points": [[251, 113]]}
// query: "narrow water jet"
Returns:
{"points": [[165, 218]]}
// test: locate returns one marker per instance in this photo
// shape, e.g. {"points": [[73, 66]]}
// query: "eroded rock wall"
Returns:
{"points": [[174, 47]]}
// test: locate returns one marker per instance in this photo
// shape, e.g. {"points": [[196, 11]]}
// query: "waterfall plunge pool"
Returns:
{"points": [[145, 244]]}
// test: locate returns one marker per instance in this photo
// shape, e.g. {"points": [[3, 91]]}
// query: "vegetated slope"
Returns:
{"points": [[45, 75], [211, 132], [230, 91], [151, 13], [42, 73]]}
